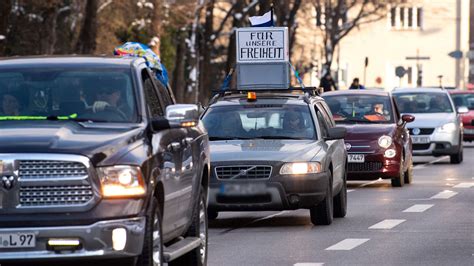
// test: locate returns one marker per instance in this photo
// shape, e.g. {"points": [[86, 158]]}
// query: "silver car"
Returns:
{"points": [[277, 151], [437, 129]]}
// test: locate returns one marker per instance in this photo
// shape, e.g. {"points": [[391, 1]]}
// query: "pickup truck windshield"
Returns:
{"points": [[259, 121], [67, 93]]}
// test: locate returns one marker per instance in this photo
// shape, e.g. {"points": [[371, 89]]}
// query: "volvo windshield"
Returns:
{"points": [[259, 121], [67, 93]]}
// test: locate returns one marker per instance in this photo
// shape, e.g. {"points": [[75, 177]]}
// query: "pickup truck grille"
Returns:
{"points": [[29, 169], [55, 195], [50, 182], [244, 172]]}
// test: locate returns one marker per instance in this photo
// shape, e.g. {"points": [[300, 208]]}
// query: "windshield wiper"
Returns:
{"points": [[227, 138], [75, 119], [277, 137], [356, 120]]}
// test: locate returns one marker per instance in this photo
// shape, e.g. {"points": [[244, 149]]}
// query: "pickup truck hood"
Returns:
{"points": [[432, 120], [264, 149], [95, 142]]}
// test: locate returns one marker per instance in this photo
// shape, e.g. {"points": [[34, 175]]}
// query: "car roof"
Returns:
{"points": [[420, 89], [20, 61], [461, 92], [362, 92], [276, 98]]}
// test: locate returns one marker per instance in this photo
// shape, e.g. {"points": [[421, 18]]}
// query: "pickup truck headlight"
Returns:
{"points": [[121, 181], [300, 168], [447, 128], [385, 141]]}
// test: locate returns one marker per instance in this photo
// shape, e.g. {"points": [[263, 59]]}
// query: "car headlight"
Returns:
{"points": [[385, 141], [121, 181], [390, 153], [447, 128], [300, 168]]}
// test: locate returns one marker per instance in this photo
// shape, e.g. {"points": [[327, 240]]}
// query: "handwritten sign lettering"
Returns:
{"points": [[262, 45]]}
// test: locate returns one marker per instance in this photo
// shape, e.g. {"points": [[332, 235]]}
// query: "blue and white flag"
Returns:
{"points": [[266, 20]]}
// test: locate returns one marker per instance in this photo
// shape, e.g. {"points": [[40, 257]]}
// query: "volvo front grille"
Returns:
{"points": [[243, 172]]}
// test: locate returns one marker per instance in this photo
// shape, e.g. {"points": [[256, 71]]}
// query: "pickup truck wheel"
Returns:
{"points": [[198, 228], [340, 200], [152, 253], [322, 213]]}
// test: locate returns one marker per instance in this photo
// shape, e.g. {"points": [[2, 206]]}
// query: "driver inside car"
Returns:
{"points": [[10, 105], [377, 113], [109, 100]]}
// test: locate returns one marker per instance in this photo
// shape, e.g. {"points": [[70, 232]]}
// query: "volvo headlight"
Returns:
{"points": [[447, 128], [121, 181], [300, 168], [385, 141]]}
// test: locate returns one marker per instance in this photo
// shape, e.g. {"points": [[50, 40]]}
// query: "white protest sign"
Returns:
{"points": [[262, 45]]}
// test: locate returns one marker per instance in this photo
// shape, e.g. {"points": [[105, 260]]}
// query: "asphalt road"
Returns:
{"points": [[429, 222]]}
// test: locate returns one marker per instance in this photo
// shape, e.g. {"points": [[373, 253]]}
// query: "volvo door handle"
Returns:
{"points": [[174, 146]]}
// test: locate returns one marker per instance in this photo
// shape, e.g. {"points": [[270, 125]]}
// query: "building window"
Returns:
{"points": [[419, 17], [406, 18]]}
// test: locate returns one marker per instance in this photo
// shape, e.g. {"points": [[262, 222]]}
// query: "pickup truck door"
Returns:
{"points": [[167, 161]]}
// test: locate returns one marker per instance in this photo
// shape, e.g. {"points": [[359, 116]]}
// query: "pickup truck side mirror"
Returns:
{"points": [[178, 116], [336, 133]]}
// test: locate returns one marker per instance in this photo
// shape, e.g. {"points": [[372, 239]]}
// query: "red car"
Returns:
{"points": [[463, 98], [377, 141]]}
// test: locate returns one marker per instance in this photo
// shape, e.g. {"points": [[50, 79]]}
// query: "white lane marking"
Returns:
{"points": [[252, 222], [430, 162], [419, 208], [350, 190], [308, 264], [464, 185], [387, 224], [370, 183], [348, 244], [444, 194]]}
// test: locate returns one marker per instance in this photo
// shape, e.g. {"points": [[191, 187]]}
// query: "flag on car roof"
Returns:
{"points": [[266, 20], [137, 49]]}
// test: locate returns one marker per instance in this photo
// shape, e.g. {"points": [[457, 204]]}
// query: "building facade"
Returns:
{"points": [[425, 37]]}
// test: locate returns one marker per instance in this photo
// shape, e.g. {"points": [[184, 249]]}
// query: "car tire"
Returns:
{"points": [[322, 213], [340, 200], [458, 157], [409, 173], [399, 180], [198, 228], [212, 215], [152, 252]]}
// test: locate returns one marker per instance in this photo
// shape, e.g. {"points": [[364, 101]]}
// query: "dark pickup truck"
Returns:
{"points": [[97, 161]]}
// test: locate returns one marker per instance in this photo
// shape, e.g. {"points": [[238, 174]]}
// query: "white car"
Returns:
{"points": [[437, 129]]}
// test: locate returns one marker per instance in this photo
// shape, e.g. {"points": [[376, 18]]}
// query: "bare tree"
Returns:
{"points": [[87, 39], [337, 18]]}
